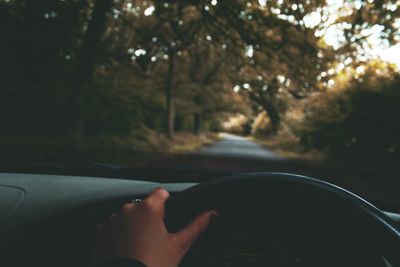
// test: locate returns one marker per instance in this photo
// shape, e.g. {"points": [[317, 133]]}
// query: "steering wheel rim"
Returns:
{"points": [[184, 205]]}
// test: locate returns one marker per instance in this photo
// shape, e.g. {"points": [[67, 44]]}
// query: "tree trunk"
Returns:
{"points": [[273, 115], [86, 65], [169, 95], [196, 123], [267, 104]]}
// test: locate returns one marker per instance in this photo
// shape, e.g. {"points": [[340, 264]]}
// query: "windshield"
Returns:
{"points": [[122, 81]]}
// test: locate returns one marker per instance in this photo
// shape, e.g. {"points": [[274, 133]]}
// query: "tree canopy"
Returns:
{"points": [[112, 66]]}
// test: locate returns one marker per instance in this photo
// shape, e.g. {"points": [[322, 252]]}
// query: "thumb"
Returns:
{"points": [[191, 232]]}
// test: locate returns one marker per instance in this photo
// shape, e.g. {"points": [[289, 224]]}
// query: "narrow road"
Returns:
{"points": [[238, 146]]}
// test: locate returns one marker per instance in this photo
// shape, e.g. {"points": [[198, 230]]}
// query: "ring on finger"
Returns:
{"points": [[137, 201]]}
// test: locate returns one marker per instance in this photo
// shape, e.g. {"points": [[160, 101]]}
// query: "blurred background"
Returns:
{"points": [[119, 79]]}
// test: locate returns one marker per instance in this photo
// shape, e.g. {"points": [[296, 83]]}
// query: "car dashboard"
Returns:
{"points": [[52, 223]]}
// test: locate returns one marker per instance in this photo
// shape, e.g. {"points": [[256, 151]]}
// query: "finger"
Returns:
{"points": [[109, 231], [128, 209], [158, 194], [113, 219], [113, 228], [156, 200], [100, 244], [190, 233]]}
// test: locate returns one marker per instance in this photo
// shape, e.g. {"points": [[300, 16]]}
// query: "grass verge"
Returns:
{"points": [[132, 150], [288, 147]]}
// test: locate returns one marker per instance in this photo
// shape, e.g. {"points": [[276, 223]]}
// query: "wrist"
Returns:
{"points": [[121, 262]]}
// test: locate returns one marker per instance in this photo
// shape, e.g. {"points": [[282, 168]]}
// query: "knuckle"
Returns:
{"points": [[99, 228], [180, 243], [113, 217], [196, 230], [127, 209], [148, 205], [161, 192]]}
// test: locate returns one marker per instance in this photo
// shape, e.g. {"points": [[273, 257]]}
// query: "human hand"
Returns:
{"points": [[139, 232]]}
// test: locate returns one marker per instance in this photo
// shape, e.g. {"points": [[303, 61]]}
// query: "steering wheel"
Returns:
{"points": [[287, 207]]}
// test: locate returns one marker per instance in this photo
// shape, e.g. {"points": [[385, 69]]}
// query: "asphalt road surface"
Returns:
{"points": [[235, 154], [238, 146]]}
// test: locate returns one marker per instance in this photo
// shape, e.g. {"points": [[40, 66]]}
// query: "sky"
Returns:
{"points": [[391, 54], [333, 33]]}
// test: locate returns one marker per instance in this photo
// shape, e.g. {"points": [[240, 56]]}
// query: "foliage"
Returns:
{"points": [[358, 122], [114, 68]]}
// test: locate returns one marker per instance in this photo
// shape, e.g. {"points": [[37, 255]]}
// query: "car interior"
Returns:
{"points": [[280, 115], [48, 220]]}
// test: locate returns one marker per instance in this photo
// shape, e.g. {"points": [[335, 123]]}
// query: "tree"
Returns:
{"points": [[354, 123], [238, 25], [87, 57], [196, 59]]}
